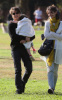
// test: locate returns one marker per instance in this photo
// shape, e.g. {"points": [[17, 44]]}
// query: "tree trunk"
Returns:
{"points": [[17, 2], [24, 5]]}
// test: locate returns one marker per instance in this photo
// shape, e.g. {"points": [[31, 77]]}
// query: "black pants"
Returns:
{"points": [[17, 56]]}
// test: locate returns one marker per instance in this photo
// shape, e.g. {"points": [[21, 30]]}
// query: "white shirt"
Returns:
{"points": [[38, 14], [24, 28], [57, 36]]}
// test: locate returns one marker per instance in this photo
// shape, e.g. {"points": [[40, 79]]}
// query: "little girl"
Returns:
{"points": [[24, 28]]}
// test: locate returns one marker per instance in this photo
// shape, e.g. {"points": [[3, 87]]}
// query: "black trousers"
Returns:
{"points": [[17, 55]]}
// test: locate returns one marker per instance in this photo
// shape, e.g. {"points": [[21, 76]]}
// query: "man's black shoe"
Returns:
{"points": [[19, 92]]}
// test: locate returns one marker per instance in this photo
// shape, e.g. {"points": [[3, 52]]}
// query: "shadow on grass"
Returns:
{"points": [[12, 59], [44, 93], [37, 60], [37, 93], [58, 93], [6, 58]]}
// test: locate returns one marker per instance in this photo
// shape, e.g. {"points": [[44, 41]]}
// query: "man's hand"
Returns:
{"points": [[27, 39], [13, 21], [22, 41]]}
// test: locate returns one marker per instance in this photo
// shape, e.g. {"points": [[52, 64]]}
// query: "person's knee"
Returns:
{"points": [[56, 73], [17, 71], [29, 70], [28, 67], [50, 70]]}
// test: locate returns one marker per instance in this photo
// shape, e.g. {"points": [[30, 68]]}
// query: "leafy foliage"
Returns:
{"points": [[6, 4]]}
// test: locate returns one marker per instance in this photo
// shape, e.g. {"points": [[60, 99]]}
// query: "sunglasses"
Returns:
{"points": [[15, 13]]}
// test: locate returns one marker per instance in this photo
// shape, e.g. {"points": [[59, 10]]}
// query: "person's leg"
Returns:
{"points": [[28, 46], [34, 51], [31, 57], [17, 65], [28, 50], [28, 66], [50, 71], [55, 73]]}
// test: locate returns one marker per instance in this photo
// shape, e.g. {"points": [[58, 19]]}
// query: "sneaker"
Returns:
{"points": [[34, 51], [31, 57], [51, 91]]}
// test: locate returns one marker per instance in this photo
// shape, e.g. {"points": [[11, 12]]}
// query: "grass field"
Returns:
{"points": [[37, 86]]}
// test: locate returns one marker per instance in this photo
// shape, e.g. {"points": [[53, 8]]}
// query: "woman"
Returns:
{"points": [[53, 31], [19, 52]]}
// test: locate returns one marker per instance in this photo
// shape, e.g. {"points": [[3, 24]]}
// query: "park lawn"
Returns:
{"points": [[37, 86], [35, 90]]}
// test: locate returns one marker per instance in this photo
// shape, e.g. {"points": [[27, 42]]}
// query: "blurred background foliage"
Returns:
{"points": [[27, 7]]}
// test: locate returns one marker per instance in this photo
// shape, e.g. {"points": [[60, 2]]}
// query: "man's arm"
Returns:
{"points": [[12, 32]]}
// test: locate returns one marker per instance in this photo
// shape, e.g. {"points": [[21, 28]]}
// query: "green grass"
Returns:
{"points": [[37, 86], [35, 90]]}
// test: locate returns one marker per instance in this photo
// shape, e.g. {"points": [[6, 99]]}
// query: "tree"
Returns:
{"points": [[17, 2], [24, 4], [5, 5], [28, 6]]}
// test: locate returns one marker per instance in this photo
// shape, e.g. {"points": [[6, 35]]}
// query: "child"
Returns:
{"points": [[24, 28]]}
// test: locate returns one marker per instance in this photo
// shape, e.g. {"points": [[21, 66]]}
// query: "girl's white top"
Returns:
{"points": [[57, 36], [24, 28]]}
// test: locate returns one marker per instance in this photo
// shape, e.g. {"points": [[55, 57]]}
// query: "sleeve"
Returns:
{"points": [[56, 35], [51, 35], [31, 38], [12, 32]]}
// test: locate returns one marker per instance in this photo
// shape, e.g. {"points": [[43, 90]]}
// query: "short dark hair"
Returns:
{"points": [[22, 16], [14, 9]]}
